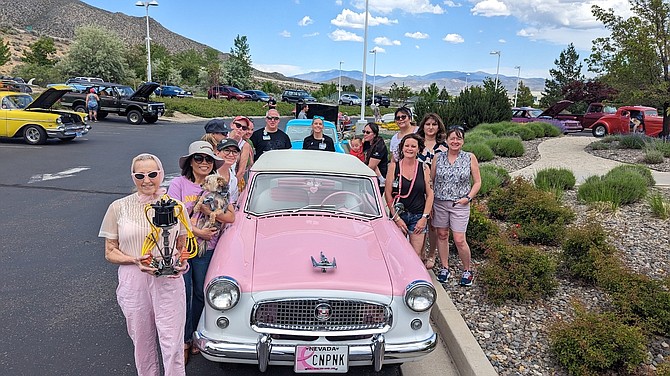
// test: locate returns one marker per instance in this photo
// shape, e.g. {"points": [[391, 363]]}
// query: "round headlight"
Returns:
{"points": [[59, 120], [223, 293], [420, 296]]}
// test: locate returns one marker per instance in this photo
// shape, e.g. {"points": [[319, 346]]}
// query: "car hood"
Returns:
{"points": [[145, 90], [49, 97], [284, 247], [556, 108]]}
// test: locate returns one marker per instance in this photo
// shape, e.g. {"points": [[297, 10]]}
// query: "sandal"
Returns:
{"points": [[187, 350], [195, 350], [430, 263]]}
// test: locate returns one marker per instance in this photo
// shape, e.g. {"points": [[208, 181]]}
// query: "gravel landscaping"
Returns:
{"points": [[514, 335]]}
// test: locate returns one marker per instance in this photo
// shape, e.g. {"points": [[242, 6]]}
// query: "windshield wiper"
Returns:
{"points": [[313, 206]]}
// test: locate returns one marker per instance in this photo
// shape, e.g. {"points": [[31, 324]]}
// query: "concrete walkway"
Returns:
{"points": [[568, 152]]}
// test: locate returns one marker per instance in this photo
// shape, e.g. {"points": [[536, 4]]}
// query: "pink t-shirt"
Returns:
{"points": [[189, 192]]}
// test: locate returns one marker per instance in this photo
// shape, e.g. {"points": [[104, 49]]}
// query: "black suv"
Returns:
{"points": [[296, 96], [381, 100], [119, 99]]}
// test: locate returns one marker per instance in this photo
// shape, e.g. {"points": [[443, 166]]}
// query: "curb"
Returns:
{"points": [[464, 349]]}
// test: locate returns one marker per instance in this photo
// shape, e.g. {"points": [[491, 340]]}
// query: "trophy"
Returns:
{"points": [[167, 212]]}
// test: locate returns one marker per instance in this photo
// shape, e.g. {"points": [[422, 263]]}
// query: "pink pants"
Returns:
{"points": [[153, 305]]}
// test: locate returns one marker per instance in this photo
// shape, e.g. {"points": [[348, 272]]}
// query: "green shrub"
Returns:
{"points": [[484, 134], [661, 145], [481, 151], [220, 107], [551, 179], [480, 229], [522, 131], [584, 248], [663, 369], [550, 130], [610, 138], [492, 177], [643, 171], [659, 206], [597, 343], [620, 188], [537, 128], [600, 145], [652, 156], [510, 147], [494, 128], [632, 141], [516, 272]]}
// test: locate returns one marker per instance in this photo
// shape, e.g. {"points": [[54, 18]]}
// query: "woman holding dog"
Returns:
{"points": [[195, 167], [408, 192], [152, 305]]}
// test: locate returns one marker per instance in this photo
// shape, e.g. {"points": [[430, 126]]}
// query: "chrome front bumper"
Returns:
{"points": [[68, 131], [264, 352]]}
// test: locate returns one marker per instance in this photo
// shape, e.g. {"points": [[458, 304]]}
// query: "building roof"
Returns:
{"points": [[310, 161]]}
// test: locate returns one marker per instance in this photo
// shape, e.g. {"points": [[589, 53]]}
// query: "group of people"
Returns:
{"points": [[171, 307]]}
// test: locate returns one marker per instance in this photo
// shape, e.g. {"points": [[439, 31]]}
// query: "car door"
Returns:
{"points": [[4, 110]]}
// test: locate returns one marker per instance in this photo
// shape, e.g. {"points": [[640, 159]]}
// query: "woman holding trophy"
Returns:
{"points": [[152, 302]]}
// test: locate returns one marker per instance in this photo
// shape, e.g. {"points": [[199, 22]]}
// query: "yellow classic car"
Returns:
{"points": [[35, 121]]}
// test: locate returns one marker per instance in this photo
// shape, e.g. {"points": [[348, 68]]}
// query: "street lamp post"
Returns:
{"points": [[361, 122], [146, 5], [467, 75], [374, 73], [497, 67], [516, 88], [339, 84]]}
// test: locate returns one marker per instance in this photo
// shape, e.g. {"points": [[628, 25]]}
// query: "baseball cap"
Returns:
{"points": [[216, 126]]}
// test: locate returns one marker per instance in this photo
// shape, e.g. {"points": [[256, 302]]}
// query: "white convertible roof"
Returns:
{"points": [[310, 161]]}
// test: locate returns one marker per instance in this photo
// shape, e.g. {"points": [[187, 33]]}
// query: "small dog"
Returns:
{"points": [[215, 196]]}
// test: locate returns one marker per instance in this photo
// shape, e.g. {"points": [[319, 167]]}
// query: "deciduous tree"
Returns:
{"points": [[40, 52], [98, 53]]}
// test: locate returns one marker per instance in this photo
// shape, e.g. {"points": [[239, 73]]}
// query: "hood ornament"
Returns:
{"points": [[324, 264]]}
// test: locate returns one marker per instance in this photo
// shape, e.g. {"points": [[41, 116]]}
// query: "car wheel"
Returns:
{"points": [[151, 119], [68, 139], [599, 130], [134, 117], [34, 135], [102, 115], [80, 108]]}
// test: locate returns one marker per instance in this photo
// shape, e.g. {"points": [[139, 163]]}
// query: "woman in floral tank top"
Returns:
{"points": [[451, 173]]}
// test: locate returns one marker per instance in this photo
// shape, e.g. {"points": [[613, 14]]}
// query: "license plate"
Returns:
{"points": [[78, 134], [323, 359]]}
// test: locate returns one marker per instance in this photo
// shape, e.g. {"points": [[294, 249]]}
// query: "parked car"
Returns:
{"points": [[350, 99], [121, 100], [36, 121], [84, 80], [298, 129], [594, 112], [312, 273], [529, 114], [258, 95], [14, 85], [295, 96], [172, 91], [381, 100], [227, 92], [625, 119]]}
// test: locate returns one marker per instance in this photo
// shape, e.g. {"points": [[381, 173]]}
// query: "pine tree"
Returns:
{"points": [[5, 54], [568, 69]]}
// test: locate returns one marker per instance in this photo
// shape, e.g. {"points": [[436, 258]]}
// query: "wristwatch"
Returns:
{"points": [[469, 198], [427, 216]]}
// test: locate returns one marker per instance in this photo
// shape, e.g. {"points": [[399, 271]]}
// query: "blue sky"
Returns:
{"points": [[411, 36]]}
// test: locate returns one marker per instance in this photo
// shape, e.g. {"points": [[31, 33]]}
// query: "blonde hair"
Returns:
{"points": [[210, 138]]}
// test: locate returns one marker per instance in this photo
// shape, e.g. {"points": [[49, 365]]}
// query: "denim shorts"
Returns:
{"points": [[411, 220]]}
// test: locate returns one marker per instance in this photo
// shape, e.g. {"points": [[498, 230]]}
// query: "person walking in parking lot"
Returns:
{"points": [[271, 103], [317, 140], [270, 137], [92, 103], [303, 112]]}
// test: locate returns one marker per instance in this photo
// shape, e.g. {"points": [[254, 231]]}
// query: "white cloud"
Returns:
{"points": [[563, 36], [502, 41], [417, 35], [340, 35], [285, 34], [305, 21], [379, 50], [417, 47], [311, 34], [453, 38], [490, 8], [451, 4], [349, 18], [338, 2], [384, 41], [407, 6], [285, 69]]}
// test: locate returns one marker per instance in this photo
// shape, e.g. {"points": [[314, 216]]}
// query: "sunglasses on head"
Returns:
{"points": [[401, 117], [275, 118], [318, 117], [199, 158], [242, 127], [140, 176], [456, 127]]}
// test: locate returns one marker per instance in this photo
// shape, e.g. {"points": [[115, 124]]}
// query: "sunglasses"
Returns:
{"points": [[275, 118], [240, 126], [199, 158], [368, 132], [456, 127], [401, 117], [140, 176], [230, 151]]}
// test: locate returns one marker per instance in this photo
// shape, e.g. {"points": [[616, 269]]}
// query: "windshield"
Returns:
{"points": [[235, 90], [650, 113], [125, 91], [296, 192], [609, 110], [298, 133], [16, 102]]}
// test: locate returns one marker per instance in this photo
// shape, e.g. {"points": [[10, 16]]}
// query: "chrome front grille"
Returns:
{"points": [[332, 315]]}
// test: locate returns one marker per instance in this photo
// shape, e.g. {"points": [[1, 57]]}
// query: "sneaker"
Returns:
{"points": [[466, 279], [443, 275]]}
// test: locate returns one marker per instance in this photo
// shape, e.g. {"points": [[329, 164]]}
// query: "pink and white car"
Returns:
{"points": [[313, 274]]}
